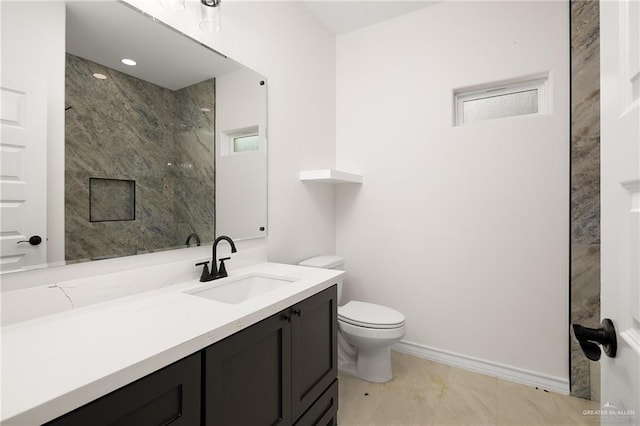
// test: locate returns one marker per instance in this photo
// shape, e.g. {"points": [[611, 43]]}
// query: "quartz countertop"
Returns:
{"points": [[56, 363]]}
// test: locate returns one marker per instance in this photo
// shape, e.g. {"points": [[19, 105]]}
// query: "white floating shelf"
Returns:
{"points": [[330, 176]]}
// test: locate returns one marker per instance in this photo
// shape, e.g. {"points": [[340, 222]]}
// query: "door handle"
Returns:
{"points": [[590, 338], [34, 240]]}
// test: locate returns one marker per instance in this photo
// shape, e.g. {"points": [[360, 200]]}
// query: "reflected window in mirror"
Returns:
{"points": [[245, 141]]}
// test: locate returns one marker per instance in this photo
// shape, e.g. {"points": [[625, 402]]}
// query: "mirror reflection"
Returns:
{"points": [[165, 139]]}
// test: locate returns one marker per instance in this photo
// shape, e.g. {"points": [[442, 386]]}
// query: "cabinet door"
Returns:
{"points": [[314, 362], [170, 396], [248, 375]]}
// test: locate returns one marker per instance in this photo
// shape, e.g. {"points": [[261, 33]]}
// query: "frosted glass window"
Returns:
{"points": [[245, 143], [500, 100], [508, 105]]}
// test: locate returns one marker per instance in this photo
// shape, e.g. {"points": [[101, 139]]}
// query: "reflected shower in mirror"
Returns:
{"points": [[163, 146]]}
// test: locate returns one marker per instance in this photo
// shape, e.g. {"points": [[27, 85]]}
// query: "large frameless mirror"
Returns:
{"points": [[164, 145]]}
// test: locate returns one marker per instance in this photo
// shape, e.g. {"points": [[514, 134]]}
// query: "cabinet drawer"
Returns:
{"points": [[170, 396], [324, 410]]}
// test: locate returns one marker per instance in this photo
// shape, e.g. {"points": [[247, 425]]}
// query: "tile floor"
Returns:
{"points": [[423, 393]]}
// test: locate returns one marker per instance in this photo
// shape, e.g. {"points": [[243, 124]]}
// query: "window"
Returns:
{"points": [[500, 100], [245, 143], [242, 140]]}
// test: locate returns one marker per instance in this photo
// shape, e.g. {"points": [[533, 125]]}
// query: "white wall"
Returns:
{"points": [[463, 229], [282, 41]]}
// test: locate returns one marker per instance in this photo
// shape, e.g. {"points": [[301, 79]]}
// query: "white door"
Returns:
{"points": [[23, 174], [620, 201]]}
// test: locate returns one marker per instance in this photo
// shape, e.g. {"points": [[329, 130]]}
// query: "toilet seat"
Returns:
{"points": [[370, 315]]}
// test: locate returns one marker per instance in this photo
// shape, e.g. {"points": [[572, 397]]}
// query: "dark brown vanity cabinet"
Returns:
{"points": [[280, 371], [170, 396]]}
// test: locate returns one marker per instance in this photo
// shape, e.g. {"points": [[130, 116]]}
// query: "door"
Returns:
{"points": [[314, 363], [620, 192], [23, 171], [248, 375]]}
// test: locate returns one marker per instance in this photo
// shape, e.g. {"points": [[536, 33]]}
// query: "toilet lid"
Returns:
{"points": [[370, 315]]}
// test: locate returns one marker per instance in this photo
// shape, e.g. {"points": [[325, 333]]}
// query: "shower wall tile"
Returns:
{"points": [[195, 217], [194, 138], [118, 125], [585, 122], [126, 128], [585, 310], [585, 185]]}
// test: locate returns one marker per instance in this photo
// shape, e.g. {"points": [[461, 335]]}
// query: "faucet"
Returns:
{"points": [[195, 237], [215, 272]]}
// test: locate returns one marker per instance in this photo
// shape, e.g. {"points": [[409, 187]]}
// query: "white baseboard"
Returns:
{"points": [[490, 368]]}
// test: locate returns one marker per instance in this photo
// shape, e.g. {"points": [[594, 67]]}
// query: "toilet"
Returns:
{"points": [[366, 331]]}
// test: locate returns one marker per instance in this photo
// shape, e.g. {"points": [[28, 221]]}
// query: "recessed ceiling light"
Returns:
{"points": [[205, 109], [99, 76], [129, 62]]}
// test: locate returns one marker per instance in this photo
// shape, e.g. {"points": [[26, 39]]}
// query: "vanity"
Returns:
{"points": [[176, 355], [132, 341]]}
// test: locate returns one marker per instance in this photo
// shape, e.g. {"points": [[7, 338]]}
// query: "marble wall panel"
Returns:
{"points": [[126, 128], [585, 186], [194, 138]]}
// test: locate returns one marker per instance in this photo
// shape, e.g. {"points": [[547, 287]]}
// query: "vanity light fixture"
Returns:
{"points": [[99, 76], [129, 62], [210, 11], [173, 5]]}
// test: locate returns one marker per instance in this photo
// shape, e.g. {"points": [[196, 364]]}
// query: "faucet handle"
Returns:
{"points": [[222, 271], [205, 272]]}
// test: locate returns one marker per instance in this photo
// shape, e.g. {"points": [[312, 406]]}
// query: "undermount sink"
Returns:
{"points": [[243, 288]]}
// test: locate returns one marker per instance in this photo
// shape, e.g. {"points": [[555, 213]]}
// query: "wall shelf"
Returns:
{"points": [[330, 176]]}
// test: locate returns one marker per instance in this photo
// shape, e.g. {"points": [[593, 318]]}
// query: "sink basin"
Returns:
{"points": [[243, 288]]}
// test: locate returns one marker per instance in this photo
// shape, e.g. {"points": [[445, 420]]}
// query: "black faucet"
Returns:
{"points": [[215, 272], [195, 237]]}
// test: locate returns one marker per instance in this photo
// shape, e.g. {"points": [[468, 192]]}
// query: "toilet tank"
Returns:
{"points": [[327, 262]]}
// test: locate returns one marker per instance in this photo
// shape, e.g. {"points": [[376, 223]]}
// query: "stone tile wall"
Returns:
{"points": [[585, 187], [126, 128]]}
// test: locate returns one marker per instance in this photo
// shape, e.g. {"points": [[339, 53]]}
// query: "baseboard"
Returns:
{"points": [[490, 368]]}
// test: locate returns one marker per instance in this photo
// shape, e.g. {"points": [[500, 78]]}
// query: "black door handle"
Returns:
{"points": [[34, 241], [590, 338]]}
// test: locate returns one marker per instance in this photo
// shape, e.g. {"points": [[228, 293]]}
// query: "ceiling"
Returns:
{"points": [[344, 16], [107, 31]]}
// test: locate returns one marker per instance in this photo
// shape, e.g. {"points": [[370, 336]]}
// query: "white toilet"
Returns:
{"points": [[366, 331]]}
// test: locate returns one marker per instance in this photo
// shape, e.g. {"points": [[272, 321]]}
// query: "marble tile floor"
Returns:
{"points": [[425, 393]]}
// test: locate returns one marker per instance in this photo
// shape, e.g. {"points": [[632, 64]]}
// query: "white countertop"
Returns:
{"points": [[54, 364]]}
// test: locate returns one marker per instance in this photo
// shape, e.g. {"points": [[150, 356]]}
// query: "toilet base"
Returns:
{"points": [[374, 368], [374, 365]]}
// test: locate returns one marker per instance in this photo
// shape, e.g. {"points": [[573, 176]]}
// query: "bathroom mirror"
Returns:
{"points": [[159, 154]]}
